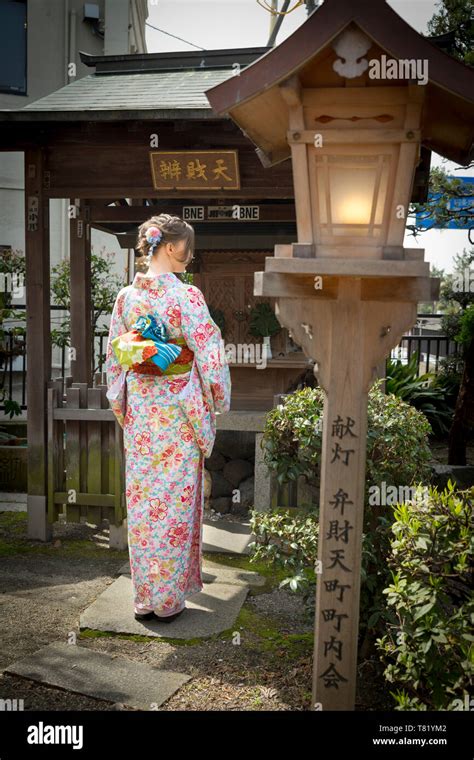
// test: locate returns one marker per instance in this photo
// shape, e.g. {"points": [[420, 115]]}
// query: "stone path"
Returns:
{"points": [[226, 536], [212, 610], [137, 685], [98, 675]]}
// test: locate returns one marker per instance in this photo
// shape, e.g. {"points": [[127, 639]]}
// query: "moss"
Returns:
{"points": [[91, 633], [13, 522], [14, 540], [264, 635]]}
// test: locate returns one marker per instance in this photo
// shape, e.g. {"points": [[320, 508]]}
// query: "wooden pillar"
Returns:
{"points": [[80, 260], [348, 337], [38, 340], [341, 511]]}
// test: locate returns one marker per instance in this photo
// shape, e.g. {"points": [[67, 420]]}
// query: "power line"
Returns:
{"points": [[174, 35]]}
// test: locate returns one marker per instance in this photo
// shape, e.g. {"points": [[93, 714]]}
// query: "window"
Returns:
{"points": [[13, 47]]}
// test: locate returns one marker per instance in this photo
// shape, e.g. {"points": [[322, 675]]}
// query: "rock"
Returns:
{"points": [[216, 461], [207, 483], [237, 470], [235, 444], [220, 485], [222, 504], [463, 476], [246, 489], [239, 509]]}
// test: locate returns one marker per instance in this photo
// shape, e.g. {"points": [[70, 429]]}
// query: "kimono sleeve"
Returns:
{"points": [[115, 375], [203, 336]]}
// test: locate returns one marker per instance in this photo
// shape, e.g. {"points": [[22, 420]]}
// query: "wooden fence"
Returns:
{"points": [[85, 454]]}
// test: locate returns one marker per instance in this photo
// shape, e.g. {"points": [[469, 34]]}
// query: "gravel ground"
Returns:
{"points": [[45, 587]]}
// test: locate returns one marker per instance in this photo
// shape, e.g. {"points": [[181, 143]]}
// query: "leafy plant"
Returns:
{"points": [[397, 453], [104, 289], [12, 262], [397, 442], [263, 321], [219, 318], [425, 392], [458, 301], [428, 650], [289, 541]]}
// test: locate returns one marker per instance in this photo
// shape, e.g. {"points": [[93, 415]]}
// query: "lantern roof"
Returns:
{"points": [[253, 98]]}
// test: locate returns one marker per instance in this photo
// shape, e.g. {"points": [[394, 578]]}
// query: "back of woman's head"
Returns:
{"points": [[173, 229]]}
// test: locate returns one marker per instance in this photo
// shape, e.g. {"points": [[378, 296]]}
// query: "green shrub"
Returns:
{"points": [[263, 321], [427, 393], [289, 541], [397, 439], [397, 454], [428, 650]]}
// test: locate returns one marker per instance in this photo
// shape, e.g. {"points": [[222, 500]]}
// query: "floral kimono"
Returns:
{"points": [[169, 425]]}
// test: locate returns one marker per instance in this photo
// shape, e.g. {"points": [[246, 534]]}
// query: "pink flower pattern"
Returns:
{"points": [[168, 427]]}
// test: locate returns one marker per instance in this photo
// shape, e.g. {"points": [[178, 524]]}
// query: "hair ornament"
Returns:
{"points": [[153, 236]]}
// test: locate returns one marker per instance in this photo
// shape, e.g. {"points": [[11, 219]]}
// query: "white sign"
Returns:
{"points": [[218, 213], [193, 213], [242, 213]]}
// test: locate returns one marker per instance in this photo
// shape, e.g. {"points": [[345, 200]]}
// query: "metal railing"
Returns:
{"points": [[425, 338]]}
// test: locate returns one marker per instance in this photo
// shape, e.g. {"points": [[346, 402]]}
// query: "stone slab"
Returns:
{"points": [[226, 536], [13, 502], [213, 572], [12, 496], [210, 611], [102, 676]]}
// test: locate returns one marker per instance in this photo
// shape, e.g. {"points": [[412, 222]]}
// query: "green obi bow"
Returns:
{"points": [[146, 340]]}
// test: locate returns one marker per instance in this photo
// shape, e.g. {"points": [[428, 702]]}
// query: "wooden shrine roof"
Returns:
{"points": [[142, 86], [254, 101]]}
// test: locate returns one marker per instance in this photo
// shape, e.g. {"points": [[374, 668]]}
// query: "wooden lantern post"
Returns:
{"points": [[347, 290]]}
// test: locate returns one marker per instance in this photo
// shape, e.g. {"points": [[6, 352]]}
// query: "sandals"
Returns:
{"points": [[152, 616], [169, 618], [144, 616]]}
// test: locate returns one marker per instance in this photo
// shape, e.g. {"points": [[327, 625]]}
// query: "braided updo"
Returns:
{"points": [[173, 230]]}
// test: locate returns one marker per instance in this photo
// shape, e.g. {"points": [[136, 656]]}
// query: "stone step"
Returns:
{"points": [[215, 572], [102, 676], [210, 611], [226, 536]]}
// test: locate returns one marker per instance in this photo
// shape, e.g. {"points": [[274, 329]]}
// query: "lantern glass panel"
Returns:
{"points": [[351, 194]]}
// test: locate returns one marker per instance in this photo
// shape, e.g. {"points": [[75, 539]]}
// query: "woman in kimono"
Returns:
{"points": [[168, 416]]}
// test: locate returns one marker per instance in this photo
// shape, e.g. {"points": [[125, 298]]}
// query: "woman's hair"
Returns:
{"points": [[174, 230]]}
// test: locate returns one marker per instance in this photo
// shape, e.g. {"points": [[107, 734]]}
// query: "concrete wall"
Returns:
{"points": [[57, 32]]}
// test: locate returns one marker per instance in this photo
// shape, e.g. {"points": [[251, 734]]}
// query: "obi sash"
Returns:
{"points": [[146, 349]]}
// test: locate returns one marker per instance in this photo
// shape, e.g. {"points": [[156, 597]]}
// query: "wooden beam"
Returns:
{"points": [[291, 90], [338, 136], [299, 159], [100, 214], [401, 289], [352, 267], [283, 191], [38, 341], [275, 284], [92, 415], [229, 241], [80, 260]]}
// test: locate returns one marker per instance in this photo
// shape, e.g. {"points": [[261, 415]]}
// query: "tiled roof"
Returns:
{"points": [[153, 91]]}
